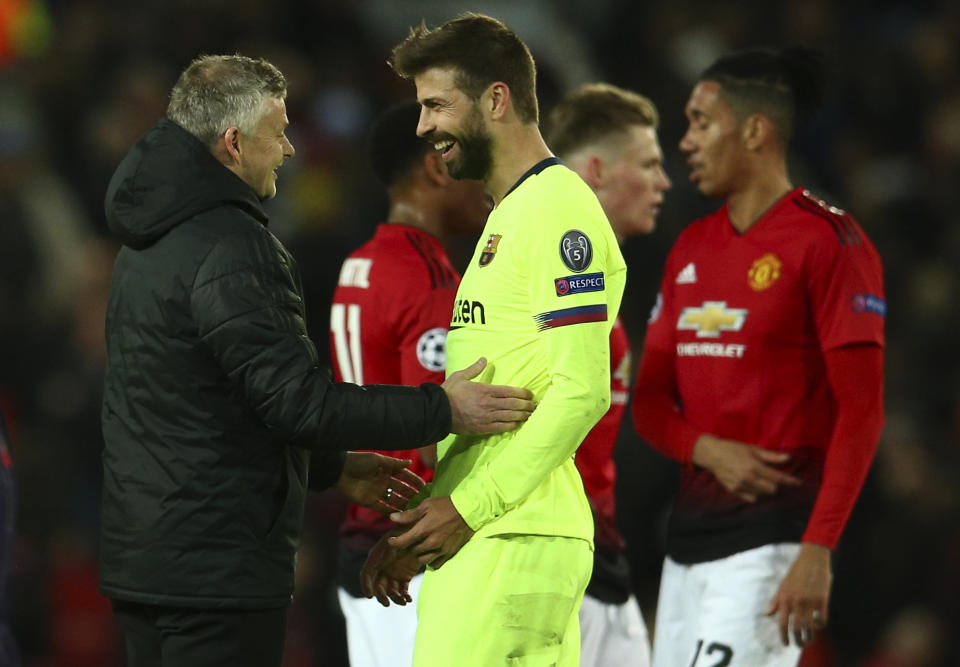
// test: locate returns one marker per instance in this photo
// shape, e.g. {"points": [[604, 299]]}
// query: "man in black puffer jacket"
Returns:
{"points": [[215, 408]]}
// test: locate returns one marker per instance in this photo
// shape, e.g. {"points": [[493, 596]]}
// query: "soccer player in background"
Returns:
{"points": [[762, 373], [609, 137], [388, 325], [506, 526]]}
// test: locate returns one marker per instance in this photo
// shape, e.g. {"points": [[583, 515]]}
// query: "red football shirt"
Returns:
{"points": [[747, 319], [594, 457], [388, 325]]}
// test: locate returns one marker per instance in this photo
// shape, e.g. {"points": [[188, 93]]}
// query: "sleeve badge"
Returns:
{"points": [[576, 251]]}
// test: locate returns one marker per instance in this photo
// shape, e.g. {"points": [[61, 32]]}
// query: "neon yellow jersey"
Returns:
{"points": [[538, 301]]}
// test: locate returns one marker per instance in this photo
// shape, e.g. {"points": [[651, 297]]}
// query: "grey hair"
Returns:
{"points": [[216, 93]]}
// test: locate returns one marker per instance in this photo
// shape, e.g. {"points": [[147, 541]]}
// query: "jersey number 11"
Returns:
{"points": [[345, 325]]}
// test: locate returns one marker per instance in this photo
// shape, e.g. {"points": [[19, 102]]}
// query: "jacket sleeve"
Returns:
{"points": [[325, 468], [250, 314]]}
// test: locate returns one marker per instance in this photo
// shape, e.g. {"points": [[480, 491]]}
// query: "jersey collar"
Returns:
{"points": [[533, 171]]}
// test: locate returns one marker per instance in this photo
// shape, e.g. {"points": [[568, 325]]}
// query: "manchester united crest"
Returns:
{"points": [[764, 272], [490, 249]]}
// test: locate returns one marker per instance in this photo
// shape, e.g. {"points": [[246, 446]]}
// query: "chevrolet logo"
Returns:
{"points": [[712, 318]]}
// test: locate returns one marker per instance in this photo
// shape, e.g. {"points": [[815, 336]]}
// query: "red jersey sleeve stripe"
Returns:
{"points": [[446, 273], [845, 230], [429, 261]]}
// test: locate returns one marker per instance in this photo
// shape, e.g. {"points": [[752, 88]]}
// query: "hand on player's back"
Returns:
{"points": [[485, 408]]}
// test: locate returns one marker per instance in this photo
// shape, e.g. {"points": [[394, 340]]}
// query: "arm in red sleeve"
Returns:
{"points": [[855, 373], [655, 413]]}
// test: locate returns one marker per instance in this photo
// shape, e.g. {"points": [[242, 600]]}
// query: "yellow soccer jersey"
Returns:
{"points": [[538, 301]]}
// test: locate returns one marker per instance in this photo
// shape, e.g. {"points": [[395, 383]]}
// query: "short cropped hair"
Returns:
{"points": [[215, 93], [783, 85], [393, 147], [596, 112], [482, 50]]}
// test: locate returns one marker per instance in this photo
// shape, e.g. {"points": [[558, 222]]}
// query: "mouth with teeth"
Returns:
{"points": [[445, 147]]}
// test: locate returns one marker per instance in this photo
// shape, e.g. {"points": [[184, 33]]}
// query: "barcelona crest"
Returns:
{"points": [[490, 249]]}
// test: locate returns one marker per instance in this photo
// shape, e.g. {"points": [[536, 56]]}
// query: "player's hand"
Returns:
{"points": [[803, 597], [485, 408], [437, 531], [744, 470], [382, 483], [387, 573]]}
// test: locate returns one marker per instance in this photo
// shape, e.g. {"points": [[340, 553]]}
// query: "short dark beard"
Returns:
{"points": [[476, 150]]}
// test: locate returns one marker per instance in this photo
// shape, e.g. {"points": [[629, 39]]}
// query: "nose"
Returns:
{"points": [[686, 143], [288, 149], [665, 182], [425, 125]]}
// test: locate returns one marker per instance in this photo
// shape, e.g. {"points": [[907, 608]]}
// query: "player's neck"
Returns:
{"points": [[750, 203], [515, 152], [408, 211]]}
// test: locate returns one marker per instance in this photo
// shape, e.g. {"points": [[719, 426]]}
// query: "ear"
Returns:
{"points": [[230, 140], [497, 99], [594, 172], [434, 168], [758, 131]]}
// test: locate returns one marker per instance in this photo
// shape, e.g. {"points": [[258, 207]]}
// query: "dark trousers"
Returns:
{"points": [[182, 637]]}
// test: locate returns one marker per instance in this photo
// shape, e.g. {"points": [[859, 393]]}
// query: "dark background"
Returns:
{"points": [[80, 81]]}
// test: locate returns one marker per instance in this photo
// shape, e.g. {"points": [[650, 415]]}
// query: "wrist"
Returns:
{"points": [[814, 550], [703, 450]]}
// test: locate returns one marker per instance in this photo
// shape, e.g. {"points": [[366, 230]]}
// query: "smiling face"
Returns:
{"points": [[715, 152], [631, 184], [452, 122], [262, 153]]}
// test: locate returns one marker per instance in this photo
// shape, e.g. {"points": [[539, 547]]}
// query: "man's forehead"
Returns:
{"points": [[637, 140], [275, 108], [435, 81], [705, 94]]}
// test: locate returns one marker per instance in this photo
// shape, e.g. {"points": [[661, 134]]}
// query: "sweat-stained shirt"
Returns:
{"points": [[538, 300]]}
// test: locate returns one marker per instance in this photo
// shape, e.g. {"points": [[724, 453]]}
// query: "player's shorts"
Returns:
{"points": [[613, 634], [714, 613], [505, 600], [379, 636]]}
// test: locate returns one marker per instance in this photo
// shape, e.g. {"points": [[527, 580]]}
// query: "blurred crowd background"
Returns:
{"points": [[81, 80]]}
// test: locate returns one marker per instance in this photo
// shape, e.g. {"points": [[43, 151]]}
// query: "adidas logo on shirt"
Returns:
{"points": [[688, 275]]}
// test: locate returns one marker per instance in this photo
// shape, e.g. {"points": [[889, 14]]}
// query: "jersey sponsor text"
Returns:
{"points": [[466, 311], [730, 350]]}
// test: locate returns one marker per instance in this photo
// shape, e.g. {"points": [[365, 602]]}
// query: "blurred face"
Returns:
{"points": [[262, 153], [467, 206], [631, 186], [712, 142], [452, 122]]}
